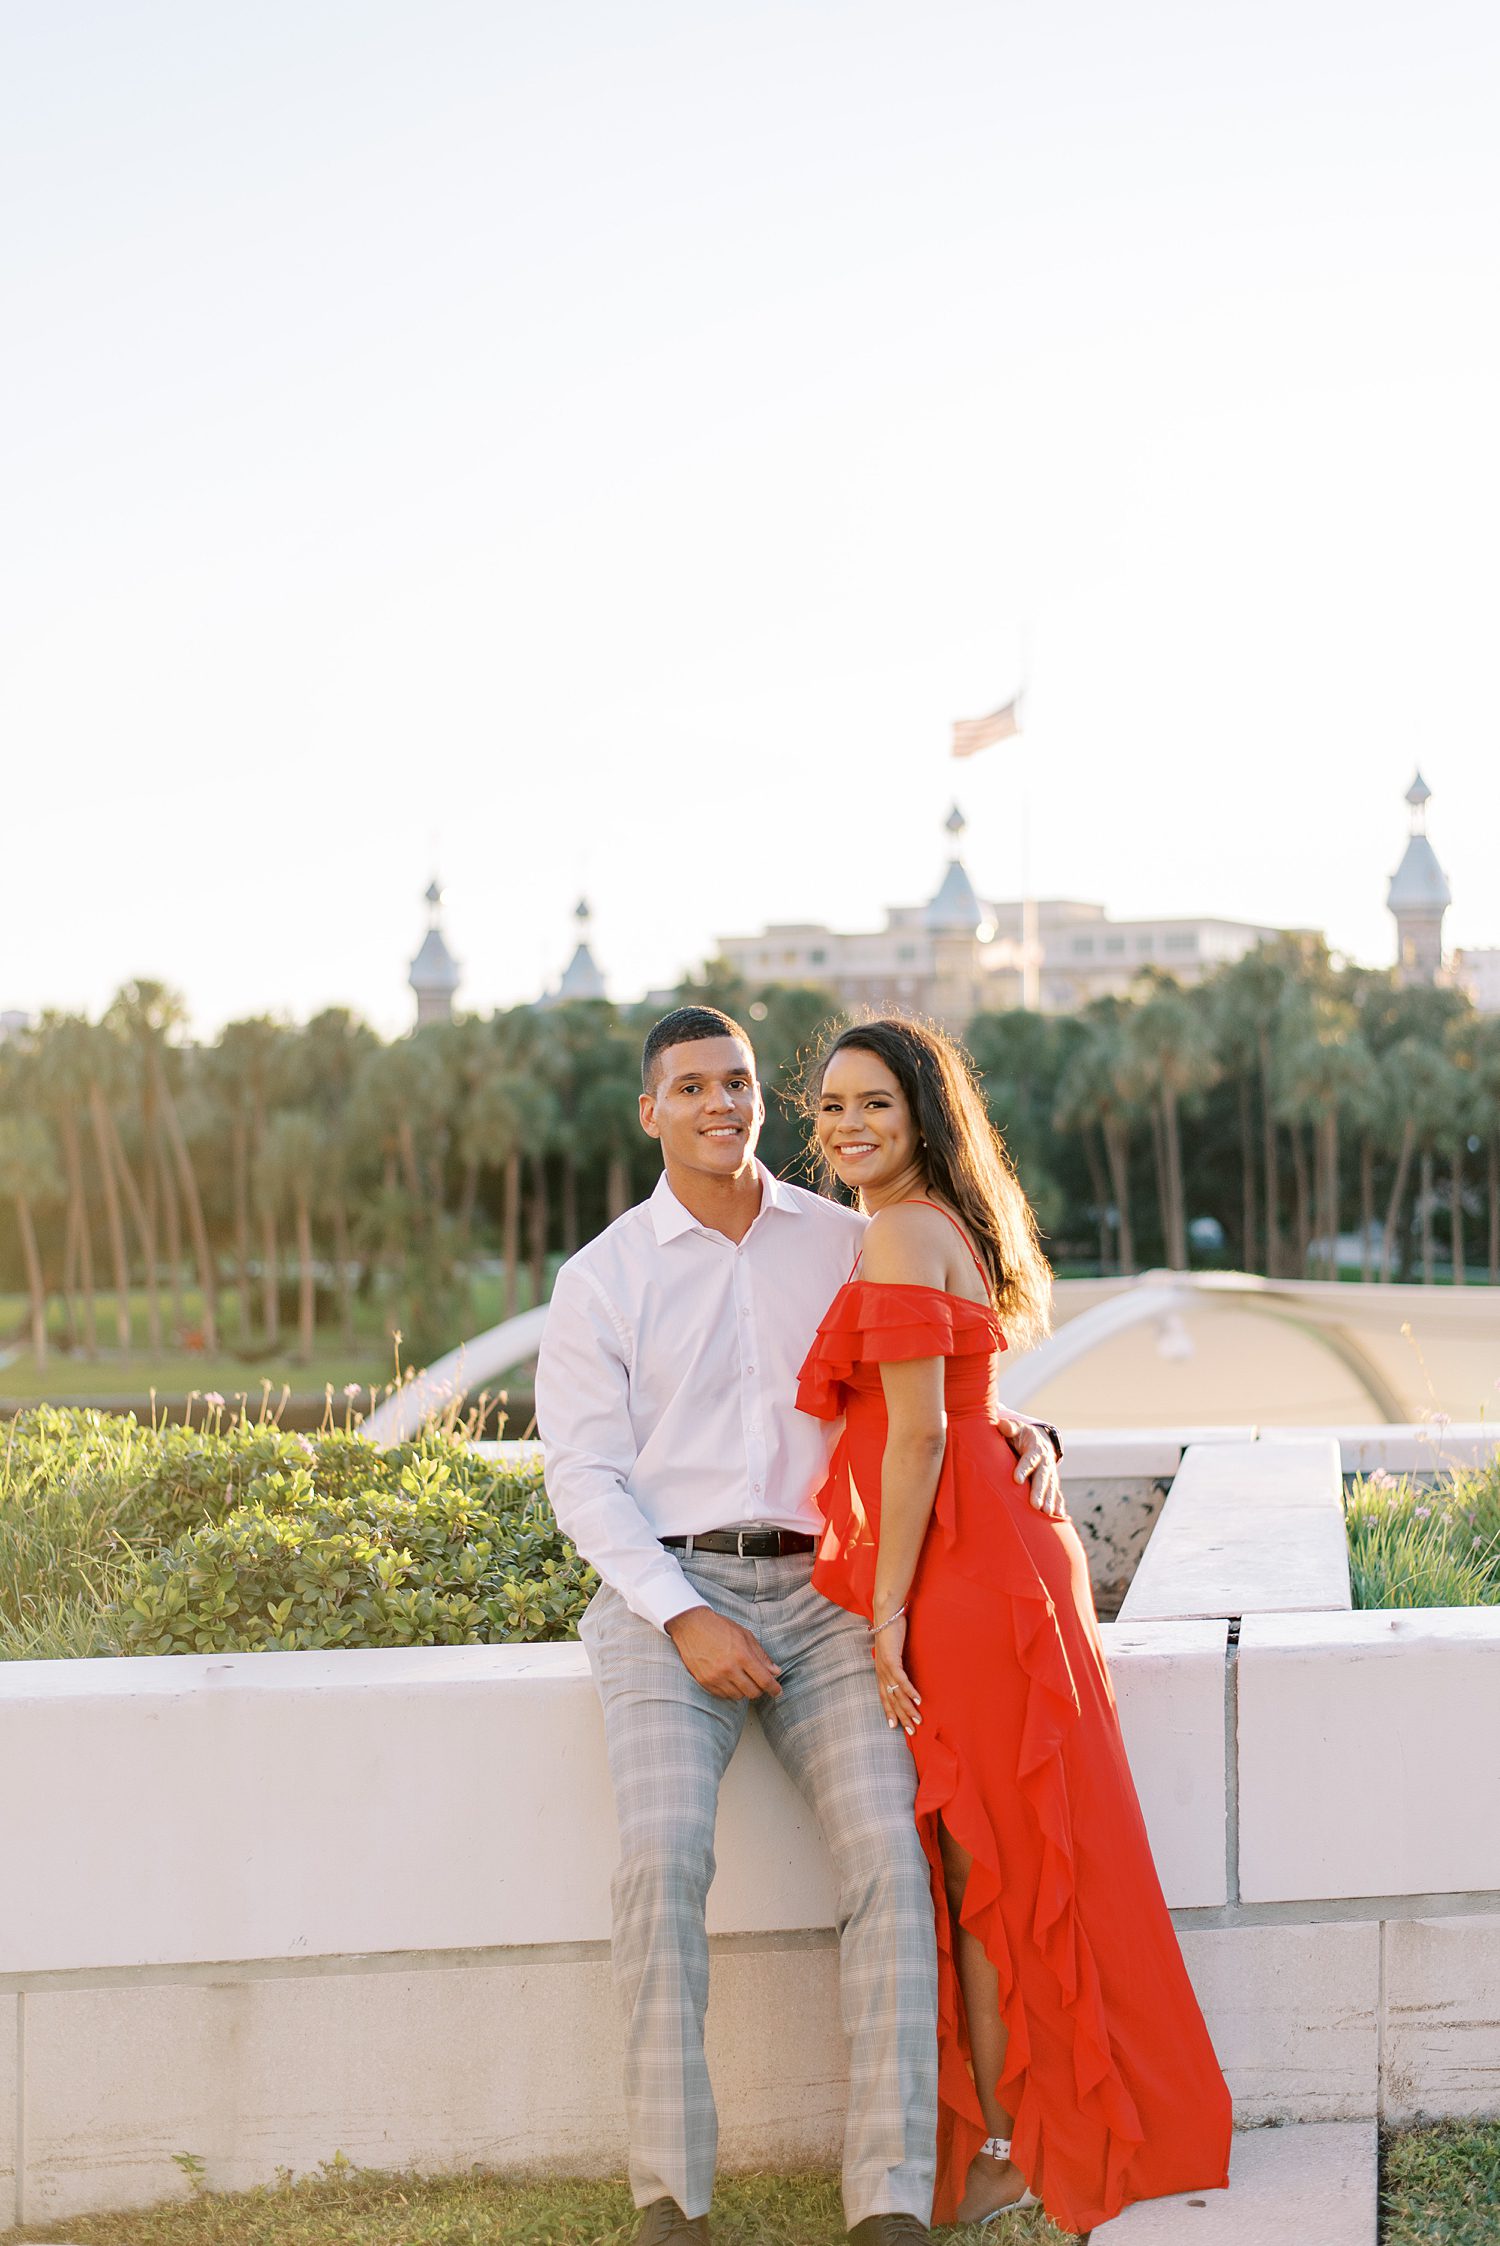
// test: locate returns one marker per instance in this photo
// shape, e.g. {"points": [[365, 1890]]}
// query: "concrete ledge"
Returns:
{"points": [[1317, 2183], [430, 2070], [1368, 1763], [1294, 2012], [1442, 1981], [1248, 1528], [284, 1805]]}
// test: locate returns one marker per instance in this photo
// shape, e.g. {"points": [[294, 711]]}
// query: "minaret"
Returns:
{"points": [[952, 920], [1418, 897], [434, 972], [581, 976]]}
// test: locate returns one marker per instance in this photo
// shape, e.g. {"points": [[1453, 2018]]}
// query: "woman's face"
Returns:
{"points": [[865, 1127]]}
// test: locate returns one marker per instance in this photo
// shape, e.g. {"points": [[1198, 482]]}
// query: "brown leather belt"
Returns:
{"points": [[747, 1544]]}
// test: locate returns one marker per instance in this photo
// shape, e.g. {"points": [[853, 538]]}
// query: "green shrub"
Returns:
{"points": [[117, 1538], [1432, 1545]]}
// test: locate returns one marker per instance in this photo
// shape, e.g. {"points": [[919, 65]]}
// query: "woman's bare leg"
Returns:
{"points": [[991, 2183]]}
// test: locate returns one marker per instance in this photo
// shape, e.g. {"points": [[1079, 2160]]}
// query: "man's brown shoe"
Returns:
{"points": [[890, 2230], [665, 2224]]}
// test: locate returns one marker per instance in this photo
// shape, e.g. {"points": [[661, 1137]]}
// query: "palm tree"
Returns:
{"points": [[290, 1165], [1325, 1070], [1170, 1059], [146, 1014], [1487, 1123], [61, 1047], [29, 1179], [1090, 1097]]}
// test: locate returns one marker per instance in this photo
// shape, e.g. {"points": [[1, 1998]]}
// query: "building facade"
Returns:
{"points": [[959, 955], [1418, 897]]}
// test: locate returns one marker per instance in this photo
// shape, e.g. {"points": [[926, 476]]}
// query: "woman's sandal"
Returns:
{"points": [[998, 2148]]}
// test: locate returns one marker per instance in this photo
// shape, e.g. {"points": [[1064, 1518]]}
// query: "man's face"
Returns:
{"points": [[706, 1107]]}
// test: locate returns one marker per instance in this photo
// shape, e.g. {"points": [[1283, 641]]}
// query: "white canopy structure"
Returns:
{"points": [[1399, 1355]]}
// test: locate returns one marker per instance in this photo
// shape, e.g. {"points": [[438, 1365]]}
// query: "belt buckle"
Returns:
{"points": [[740, 1543]]}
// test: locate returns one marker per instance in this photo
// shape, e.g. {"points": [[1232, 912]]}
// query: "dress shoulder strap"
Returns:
{"points": [[962, 1234]]}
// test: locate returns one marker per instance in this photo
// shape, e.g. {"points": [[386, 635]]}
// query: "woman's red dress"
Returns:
{"points": [[1109, 2071]]}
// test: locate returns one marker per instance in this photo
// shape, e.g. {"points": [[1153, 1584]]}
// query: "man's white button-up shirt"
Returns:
{"points": [[666, 1390]]}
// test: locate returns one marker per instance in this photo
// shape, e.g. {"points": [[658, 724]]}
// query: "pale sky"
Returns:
{"points": [[600, 447]]}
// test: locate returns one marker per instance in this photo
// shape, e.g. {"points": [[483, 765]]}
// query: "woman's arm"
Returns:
{"points": [[904, 1248]]}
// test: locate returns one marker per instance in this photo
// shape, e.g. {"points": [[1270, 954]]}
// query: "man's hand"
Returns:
{"points": [[726, 1660], [1035, 1464]]}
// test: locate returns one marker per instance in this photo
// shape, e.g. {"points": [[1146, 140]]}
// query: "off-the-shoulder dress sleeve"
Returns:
{"points": [[874, 1324]]}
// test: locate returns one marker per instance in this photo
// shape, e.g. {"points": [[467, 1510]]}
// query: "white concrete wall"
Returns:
{"points": [[1369, 1754], [266, 1907], [297, 1805]]}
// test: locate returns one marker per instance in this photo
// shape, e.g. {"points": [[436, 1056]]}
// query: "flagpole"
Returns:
{"points": [[1031, 965]]}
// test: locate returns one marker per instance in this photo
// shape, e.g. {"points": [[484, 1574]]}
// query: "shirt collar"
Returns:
{"points": [[669, 1219]]}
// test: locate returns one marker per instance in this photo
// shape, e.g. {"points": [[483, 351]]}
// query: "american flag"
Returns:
{"points": [[971, 734]]}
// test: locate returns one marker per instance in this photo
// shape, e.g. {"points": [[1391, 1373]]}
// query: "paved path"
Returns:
{"points": [[1311, 2184]]}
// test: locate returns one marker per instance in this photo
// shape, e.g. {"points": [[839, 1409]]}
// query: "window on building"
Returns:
{"points": [[1083, 947], [1115, 944], [906, 951], [1181, 939], [1144, 943], [816, 958]]}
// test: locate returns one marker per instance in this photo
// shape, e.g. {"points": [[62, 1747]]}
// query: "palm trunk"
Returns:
{"points": [[306, 1292], [1117, 1153], [406, 1140], [79, 1209], [99, 1117], [1163, 1188], [152, 1207], [1178, 1202], [467, 1198], [1099, 1187], [1304, 1217], [340, 1216], [511, 1243], [140, 1217], [569, 1205], [1331, 1171], [70, 1272], [174, 1240], [538, 1227], [239, 1163], [1398, 1196], [192, 1202], [1456, 1212], [1247, 1179], [270, 1291], [1366, 1204], [617, 1187], [1494, 1185], [1426, 1194], [35, 1285], [1273, 1180]]}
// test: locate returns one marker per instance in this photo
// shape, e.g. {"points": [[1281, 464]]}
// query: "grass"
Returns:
{"points": [[1440, 2186], [350, 2207], [133, 1374], [1425, 1545]]}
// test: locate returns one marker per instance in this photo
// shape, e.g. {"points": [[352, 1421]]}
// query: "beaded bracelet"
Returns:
{"points": [[876, 1627]]}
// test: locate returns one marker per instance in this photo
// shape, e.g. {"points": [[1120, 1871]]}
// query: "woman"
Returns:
{"points": [[1074, 2063]]}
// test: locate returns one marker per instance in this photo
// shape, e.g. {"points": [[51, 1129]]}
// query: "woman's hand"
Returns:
{"points": [[1036, 1464], [898, 1695]]}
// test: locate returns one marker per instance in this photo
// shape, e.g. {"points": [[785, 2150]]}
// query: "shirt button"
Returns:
{"points": [[749, 1368]]}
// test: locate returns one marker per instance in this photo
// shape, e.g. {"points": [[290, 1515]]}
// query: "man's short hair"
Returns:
{"points": [[684, 1026]]}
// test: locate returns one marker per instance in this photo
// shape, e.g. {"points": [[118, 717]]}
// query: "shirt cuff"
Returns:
{"points": [[665, 1597]]}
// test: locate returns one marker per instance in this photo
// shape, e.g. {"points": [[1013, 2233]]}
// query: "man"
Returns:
{"points": [[680, 1467]]}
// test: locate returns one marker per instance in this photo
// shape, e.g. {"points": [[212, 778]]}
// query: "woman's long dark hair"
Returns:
{"points": [[964, 1158]]}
